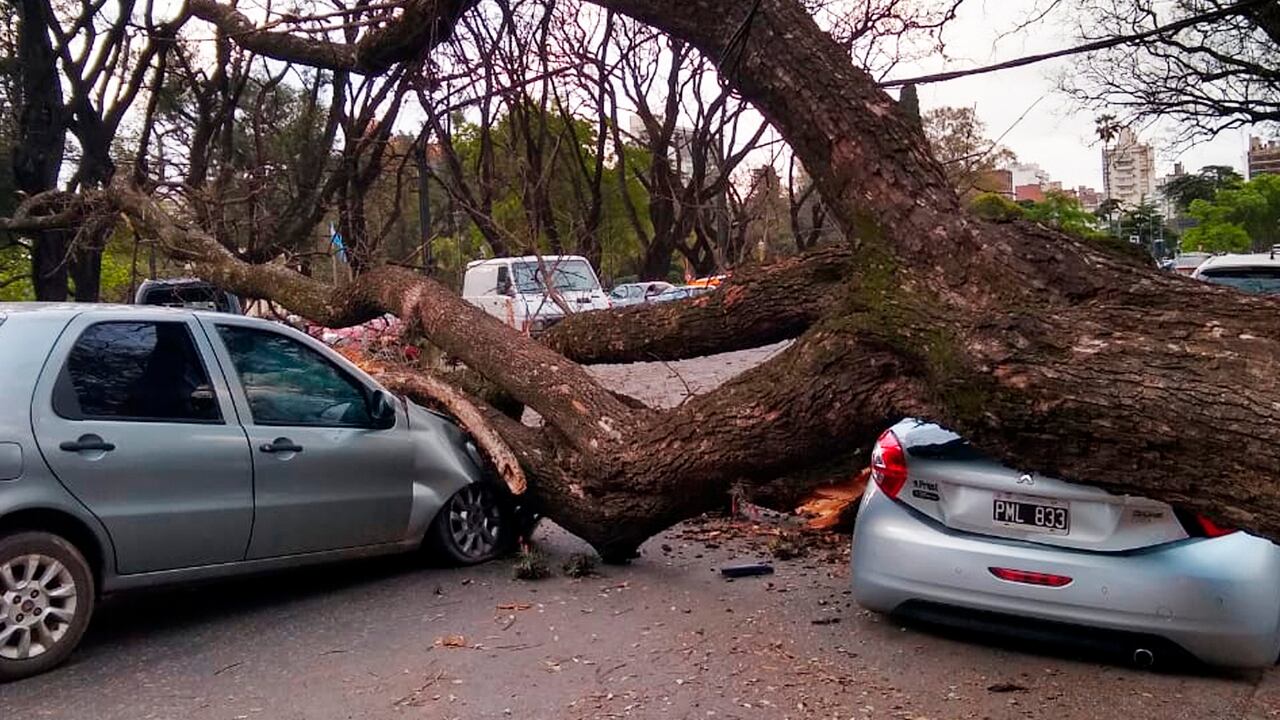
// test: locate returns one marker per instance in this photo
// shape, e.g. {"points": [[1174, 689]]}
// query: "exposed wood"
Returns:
{"points": [[430, 391]]}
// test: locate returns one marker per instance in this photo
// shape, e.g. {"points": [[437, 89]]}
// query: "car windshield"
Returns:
{"points": [[566, 275], [1253, 280]]}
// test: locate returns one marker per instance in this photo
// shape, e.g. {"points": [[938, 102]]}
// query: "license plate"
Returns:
{"points": [[1027, 512]]}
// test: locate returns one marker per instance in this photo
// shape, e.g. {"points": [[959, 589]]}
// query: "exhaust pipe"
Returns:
{"points": [[1143, 658]]}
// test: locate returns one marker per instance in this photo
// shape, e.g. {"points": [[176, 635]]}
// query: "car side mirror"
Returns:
{"points": [[382, 410]]}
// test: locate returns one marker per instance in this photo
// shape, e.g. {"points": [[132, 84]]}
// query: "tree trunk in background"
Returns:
{"points": [[37, 154]]}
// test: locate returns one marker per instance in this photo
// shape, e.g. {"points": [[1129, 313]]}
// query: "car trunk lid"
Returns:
{"points": [[954, 484]]}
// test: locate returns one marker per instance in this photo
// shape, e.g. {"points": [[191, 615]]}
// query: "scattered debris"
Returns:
{"points": [[580, 565], [418, 698], [825, 621], [531, 565], [762, 515], [515, 606], [786, 545], [747, 570], [232, 666], [452, 641]]}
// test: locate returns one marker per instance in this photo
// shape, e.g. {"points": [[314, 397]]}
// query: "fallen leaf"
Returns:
{"points": [[451, 641]]}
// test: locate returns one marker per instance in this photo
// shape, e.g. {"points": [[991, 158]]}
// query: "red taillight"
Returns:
{"points": [[889, 464], [1211, 528], [1030, 578]]}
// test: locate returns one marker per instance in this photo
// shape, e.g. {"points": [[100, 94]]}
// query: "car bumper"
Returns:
{"points": [[1218, 599]]}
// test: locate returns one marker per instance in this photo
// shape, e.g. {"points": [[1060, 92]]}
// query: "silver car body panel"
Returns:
{"points": [[26, 338], [950, 482], [1217, 598], [10, 461], [348, 487], [434, 466], [171, 494]]}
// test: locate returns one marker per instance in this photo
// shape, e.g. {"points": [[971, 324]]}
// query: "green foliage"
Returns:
{"points": [[15, 263], [569, 150], [1203, 185], [996, 207], [1238, 218], [579, 565], [1144, 222], [531, 564], [1063, 212]]}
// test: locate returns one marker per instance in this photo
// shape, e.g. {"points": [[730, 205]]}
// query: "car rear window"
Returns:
{"points": [[1253, 280], [139, 371]]}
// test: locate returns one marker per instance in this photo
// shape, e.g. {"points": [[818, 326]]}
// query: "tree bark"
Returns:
{"points": [[757, 307], [38, 152]]}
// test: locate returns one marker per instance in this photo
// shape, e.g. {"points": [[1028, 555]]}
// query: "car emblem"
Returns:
{"points": [[1026, 480]]}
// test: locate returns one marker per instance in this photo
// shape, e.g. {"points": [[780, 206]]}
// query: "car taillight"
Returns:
{"points": [[1210, 528], [1028, 577], [889, 464]]}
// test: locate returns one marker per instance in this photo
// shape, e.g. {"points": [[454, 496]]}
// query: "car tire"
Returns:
{"points": [[46, 600], [475, 525]]}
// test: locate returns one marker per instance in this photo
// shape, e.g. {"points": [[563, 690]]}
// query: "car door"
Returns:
{"points": [[324, 476], [134, 418]]}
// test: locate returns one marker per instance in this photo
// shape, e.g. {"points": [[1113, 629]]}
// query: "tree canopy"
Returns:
{"points": [[1239, 218]]}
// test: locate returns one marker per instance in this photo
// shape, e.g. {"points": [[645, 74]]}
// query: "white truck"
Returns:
{"points": [[532, 293]]}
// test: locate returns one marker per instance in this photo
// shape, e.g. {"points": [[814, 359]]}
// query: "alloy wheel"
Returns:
{"points": [[38, 599], [475, 522]]}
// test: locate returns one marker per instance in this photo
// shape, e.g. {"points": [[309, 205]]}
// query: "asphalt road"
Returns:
{"points": [[663, 638]]}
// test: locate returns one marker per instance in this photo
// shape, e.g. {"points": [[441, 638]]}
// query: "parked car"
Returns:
{"points": [[680, 292], [1256, 273], [190, 293], [515, 290], [948, 536], [149, 446], [637, 293], [1185, 263]]}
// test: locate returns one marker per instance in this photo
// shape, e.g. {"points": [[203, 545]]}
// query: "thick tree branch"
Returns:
{"points": [[562, 392], [420, 26], [754, 308]]}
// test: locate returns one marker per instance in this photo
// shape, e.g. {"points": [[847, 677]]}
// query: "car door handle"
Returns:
{"points": [[87, 443], [280, 445]]}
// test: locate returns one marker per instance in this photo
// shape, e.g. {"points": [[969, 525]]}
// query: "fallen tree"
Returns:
{"points": [[1051, 352]]}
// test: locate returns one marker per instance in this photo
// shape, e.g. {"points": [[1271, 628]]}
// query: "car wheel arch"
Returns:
{"points": [[65, 525]]}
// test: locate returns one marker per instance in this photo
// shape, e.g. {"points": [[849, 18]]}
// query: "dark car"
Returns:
{"points": [[190, 293]]}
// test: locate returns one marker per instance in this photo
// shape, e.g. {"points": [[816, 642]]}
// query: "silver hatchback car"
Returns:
{"points": [[947, 536], [145, 446]]}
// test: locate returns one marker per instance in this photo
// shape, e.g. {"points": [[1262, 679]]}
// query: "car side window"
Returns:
{"points": [[288, 383], [140, 371]]}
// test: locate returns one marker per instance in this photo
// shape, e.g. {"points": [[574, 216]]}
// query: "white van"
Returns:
{"points": [[514, 289]]}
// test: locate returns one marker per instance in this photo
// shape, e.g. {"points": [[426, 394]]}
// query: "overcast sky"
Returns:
{"points": [[1054, 133]]}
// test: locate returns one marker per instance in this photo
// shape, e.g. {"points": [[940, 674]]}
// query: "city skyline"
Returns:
{"points": [[1042, 125]]}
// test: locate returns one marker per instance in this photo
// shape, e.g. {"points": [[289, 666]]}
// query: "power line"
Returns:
{"points": [[1237, 9]]}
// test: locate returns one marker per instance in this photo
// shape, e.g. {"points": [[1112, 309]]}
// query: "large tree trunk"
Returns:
{"points": [[1050, 352], [37, 154]]}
